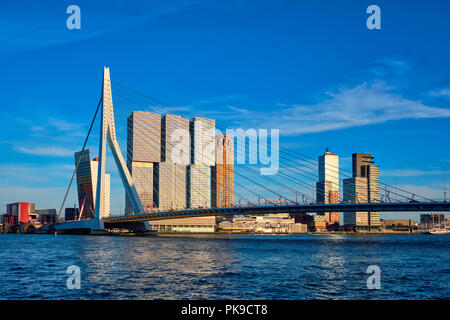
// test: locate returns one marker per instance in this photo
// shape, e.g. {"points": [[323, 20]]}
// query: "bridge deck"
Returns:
{"points": [[340, 207]]}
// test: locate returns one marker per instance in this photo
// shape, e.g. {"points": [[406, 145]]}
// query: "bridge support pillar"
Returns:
{"points": [[108, 135]]}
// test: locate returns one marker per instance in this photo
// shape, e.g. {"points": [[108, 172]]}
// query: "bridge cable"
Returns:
{"points": [[142, 131], [274, 181], [290, 151], [121, 98], [79, 159]]}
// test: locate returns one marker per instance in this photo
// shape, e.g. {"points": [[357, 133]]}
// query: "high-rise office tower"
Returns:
{"points": [[327, 188], [180, 186], [203, 134], [175, 140], [198, 186], [170, 174], [359, 162], [169, 190], [363, 187], [163, 174], [143, 150], [86, 182], [363, 166], [373, 177], [183, 180], [87, 173], [142, 174], [203, 156], [144, 137], [355, 191], [222, 174]]}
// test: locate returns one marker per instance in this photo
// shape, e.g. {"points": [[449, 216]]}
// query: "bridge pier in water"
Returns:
{"points": [[95, 227]]}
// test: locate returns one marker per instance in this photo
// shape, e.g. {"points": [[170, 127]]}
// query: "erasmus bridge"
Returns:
{"points": [[283, 185]]}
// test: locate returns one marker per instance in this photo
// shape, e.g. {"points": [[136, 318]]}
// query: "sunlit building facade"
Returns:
{"points": [[144, 137], [166, 174], [327, 188], [222, 174], [175, 140], [362, 188], [203, 156], [142, 174], [198, 186], [169, 190], [143, 150], [202, 132]]}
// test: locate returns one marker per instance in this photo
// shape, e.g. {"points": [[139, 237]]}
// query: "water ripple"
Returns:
{"points": [[225, 267]]}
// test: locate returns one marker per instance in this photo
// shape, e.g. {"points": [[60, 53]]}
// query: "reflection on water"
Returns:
{"points": [[224, 267]]}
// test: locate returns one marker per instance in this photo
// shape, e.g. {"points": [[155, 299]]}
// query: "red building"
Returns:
{"points": [[19, 210]]}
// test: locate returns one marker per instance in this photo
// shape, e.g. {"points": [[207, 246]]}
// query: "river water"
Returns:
{"points": [[225, 266]]}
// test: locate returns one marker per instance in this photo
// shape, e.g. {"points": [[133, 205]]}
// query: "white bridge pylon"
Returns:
{"points": [[108, 133]]}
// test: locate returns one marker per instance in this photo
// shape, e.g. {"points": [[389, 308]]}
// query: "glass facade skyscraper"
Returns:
{"points": [[144, 137], [203, 156], [86, 180], [203, 132], [198, 186], [87, 174], [170, 161], [143, 150], [169, 190], [142, 173], [175, 141]]}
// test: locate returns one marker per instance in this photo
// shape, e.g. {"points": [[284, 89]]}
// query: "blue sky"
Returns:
{"points": [[310, 68]]}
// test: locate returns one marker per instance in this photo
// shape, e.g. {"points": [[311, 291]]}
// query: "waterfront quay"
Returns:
{"points": [[262, 224]]}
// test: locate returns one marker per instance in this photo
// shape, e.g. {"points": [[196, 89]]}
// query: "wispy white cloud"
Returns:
{"points": [[369, 102], [42, 136], [389, 66], [433, 193], [23, 30], [410, 172], [21, 173], [240, 110], [52, 127], [45, 151], [372, 100], [376, 98], [64, 125], [213, 101], [444, 92]]}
